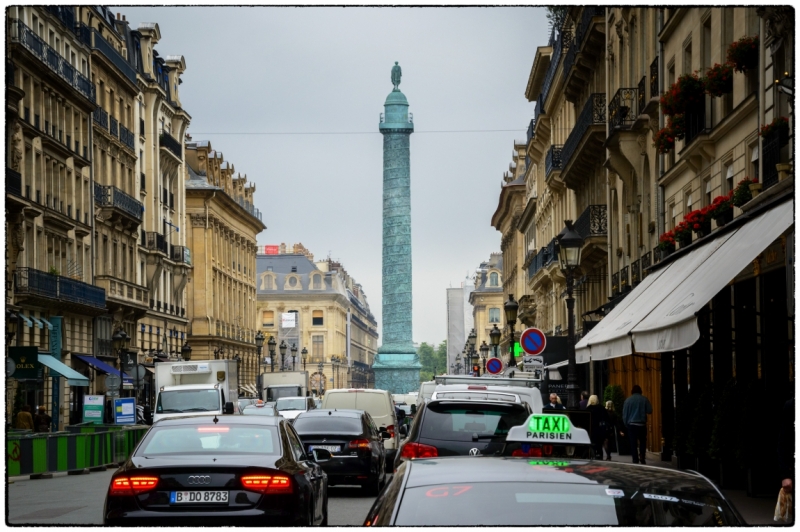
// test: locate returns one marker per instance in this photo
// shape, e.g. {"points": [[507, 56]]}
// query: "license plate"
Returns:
{"points": [[329, 448], [201, 497]]}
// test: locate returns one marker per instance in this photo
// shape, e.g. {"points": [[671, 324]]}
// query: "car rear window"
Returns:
{"points": [[327, 425], [210, 438], [290, 403], [458, 422], [375, 403], [551, 504]]}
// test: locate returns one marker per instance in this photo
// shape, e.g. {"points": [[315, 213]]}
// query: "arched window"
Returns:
{"points": [[494, 315], [493, 279]]}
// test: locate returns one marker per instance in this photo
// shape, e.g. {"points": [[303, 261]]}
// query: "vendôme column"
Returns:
{"points": [[396, 365]]}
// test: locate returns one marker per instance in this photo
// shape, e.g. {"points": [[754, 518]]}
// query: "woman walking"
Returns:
{"points": [[600, 424]]}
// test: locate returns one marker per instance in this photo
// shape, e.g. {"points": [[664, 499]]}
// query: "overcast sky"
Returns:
{"points": [[326, 71]]}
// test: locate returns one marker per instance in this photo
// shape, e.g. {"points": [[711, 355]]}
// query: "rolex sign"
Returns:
{"points": [[26, 362]]}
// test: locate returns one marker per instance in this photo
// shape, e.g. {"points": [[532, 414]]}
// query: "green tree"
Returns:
{"points": [[441, 357], [556, 16], [433, 360]]}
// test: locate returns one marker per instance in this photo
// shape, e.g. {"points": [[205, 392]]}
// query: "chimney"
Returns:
{"points": [[117, 16], [124, 19]]}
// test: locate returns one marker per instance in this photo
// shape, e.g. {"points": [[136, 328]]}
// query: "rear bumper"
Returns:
{"points": [[252, 517], [345, 470]]}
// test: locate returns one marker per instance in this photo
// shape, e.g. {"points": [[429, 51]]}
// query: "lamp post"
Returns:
{"points": [[494, 337], [511, 308], [304, 352], [569, 258], [458, 363], [238, 376], [119, 340], [259, 344], [294, 356], [334, 368], [272, 343], [282, 349], [320, 376], [484, 354]]}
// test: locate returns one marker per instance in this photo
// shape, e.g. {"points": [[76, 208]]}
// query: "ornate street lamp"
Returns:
{"points": [[458, 362], [12, 321], [304, 352], [320, 377], [186, 351], [494, 337], [511, 308], [282, 349], [272, 343], [294, 356], [569, 258], [259, 345], [484, 354]]}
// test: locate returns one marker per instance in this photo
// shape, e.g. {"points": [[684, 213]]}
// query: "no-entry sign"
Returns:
{"points": [[532, 341]]}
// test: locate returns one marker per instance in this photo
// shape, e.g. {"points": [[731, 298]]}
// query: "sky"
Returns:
{"points": [[292, 98]]}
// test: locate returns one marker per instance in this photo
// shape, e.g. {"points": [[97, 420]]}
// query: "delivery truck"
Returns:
{"points": [[202, 387], [283, 384]]}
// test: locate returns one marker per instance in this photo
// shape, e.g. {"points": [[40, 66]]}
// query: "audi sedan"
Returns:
{"points": [[219, 471]]}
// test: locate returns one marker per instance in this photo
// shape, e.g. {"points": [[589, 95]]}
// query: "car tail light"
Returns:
{"points": [[132, 485], [547, 449], [532, 452], [267, 483], [359, 444], [390, 430], [419, 450]]}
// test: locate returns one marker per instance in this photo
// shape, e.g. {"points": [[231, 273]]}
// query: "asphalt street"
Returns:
{"points": [[78, 500]]}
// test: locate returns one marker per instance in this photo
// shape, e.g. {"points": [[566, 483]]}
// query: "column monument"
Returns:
{"points": [[396, 365]]}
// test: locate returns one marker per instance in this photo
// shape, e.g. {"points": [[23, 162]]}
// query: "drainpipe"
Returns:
{"points": [[661, 208]]}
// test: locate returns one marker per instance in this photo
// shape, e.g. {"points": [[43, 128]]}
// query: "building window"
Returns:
{"points": [[316, 317], [318, 347], [688, 195], [268, 318], [494, 315], [754, 161], [493, 279], [729, 178], [674, 216], [317, 282], [708, 192], [292, 282]]}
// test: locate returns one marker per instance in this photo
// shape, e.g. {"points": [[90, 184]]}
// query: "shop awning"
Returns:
{"points": [[37, 321], [105, 368], [49, 325], [73, 377], [660, 314], [28, 322]]}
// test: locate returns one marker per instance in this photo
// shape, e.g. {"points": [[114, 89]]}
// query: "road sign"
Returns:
{"points": [[93, 409], [125, 411], [532, 341], [494, 366], [533, 361], [113, 381]]}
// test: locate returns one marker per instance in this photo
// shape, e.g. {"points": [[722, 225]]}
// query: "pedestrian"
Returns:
{"points": [[554, 403], [599, 426], [616, 428], [634, 416], [584, 400], [24, 418], [785, 512], [41, 421]]}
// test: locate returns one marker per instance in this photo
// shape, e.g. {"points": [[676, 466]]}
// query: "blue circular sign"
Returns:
{"points": [[532, 341], [494, 366]]}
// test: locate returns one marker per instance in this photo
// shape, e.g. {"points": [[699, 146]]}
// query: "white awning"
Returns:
{"points": [[659, 315]]}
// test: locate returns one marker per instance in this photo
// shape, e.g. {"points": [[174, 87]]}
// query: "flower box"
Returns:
{"points": [[742, 193], [743, 54], [683, 234], [780, 127], [685, 95], [721, 209], [699, 221], [719, 79]]}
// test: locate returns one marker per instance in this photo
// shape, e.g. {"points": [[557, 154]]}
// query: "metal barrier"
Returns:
{"points": [[81, 447]]}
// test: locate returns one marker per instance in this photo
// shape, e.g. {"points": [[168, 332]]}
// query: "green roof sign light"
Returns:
{"points": [[557, 424]]}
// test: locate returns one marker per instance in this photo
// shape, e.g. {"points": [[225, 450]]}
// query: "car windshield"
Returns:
{"points": [[550, 504], [291, 403], [253, 410], [208, 438], [307, 424], [478, 396], [178, 401], [458, 422], [273, 394]]}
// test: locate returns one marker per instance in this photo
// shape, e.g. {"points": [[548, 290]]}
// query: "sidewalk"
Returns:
{"points": [[754, 510]]}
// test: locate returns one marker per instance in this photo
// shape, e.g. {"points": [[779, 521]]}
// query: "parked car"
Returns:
{"points": [[244, 401], [291, 407], [425, 392], [353, 439], [260, 409], [378, 404], [486, 390]]}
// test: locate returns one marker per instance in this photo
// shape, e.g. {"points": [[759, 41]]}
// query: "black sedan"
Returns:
{"points": [[356, 445], [219, 471]]}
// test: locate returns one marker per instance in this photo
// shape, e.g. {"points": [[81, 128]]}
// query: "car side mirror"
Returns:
{"points": [[385, 435], [403, 430], [321, 455], [228, 409]]}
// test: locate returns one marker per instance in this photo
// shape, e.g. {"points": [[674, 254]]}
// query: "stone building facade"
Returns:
{"points": [[487, 299]]}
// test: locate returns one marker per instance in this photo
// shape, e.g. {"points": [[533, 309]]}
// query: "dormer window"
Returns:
{"points": [[494, 279]]}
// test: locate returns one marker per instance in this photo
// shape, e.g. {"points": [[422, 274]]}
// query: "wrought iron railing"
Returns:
{"points": [[249, 207], [621, 108], [180, 254], [552, 252], [772, 157], [100, 116], [64, 14], [594, 112], [553, 159], [569, 59], [13, 182], [588, 13], [654, 78], [537, 263], [558, 47], [84, 34], [26, 37], [111, 196], [696, 122], [114, 129], [593, 221], [640, 89], [624, 283], [37, 282], [155, 242], [99, 43], [647, 261], [126, 136], [614, 284], [165, 140], [80, 292], [635, 273], [531, 129]]}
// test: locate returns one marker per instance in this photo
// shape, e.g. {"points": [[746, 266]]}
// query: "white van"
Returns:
{"points": [[487, 392], [378, 404], [425, 393]]}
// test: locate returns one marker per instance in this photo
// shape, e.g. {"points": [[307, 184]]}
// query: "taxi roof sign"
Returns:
{"points": [[548, 428]]}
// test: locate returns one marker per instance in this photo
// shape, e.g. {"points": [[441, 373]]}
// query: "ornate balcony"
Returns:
{"points": [[125, 292], [646, 263], [181, 254], [622, 111], [624, 283], [114, 129], [584, 52], [167, 141], [651, 106], [155, 242], [13, 182], [593, 221], [560, 45], [584, 146], [100, 117], [44, 288], [126, 136], [552, 161], [102, 46], [640, 94], [614, 284], [635, 273], [531, 129], [119, 204]]}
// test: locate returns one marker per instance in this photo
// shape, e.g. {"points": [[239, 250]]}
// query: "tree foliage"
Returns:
{"points": [[432, 360], [556, 16]]}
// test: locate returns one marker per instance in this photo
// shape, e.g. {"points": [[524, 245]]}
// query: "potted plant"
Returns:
{"points": [[683, 234], [664, 140], [779, 126], [719, 79], [742, 194], [686, 94], [721, 209], [743, 54], [699, 221], [666, 245]]}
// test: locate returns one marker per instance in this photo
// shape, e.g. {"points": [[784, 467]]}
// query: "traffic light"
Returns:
{"points": [[476, 370]]}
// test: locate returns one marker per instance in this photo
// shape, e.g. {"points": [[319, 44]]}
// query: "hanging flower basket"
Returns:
{"points": [[664, 140], [743, 54], [666, 244], [780, 127], [683, 234], [686, 94], [742, 194], [721, 209], [699, 221], [719, 79]]}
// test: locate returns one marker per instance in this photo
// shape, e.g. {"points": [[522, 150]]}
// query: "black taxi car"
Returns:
{"points": [[541, 480]]}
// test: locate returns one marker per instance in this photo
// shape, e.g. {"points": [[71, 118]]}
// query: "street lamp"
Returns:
{"points": [[294, 356], [320, 376], [259, 345], [494, 337], [283, 348], [11, 326], [238, 377], [511, 308], [186, 351], [458, 362], [569, 258], [484, 354], [304, 352], [271, 345]]}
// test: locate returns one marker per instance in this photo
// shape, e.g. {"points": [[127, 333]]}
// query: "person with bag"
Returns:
{"points": [[41, 421], [24, 418], [615, 428], [599, 425]]}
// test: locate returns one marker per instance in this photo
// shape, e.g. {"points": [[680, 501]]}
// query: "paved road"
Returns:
{"points": [[78, 500]]}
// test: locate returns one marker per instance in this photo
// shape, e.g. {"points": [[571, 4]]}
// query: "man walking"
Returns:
{"points": [[553, 404], [584, 402], [634, 415]]}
